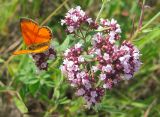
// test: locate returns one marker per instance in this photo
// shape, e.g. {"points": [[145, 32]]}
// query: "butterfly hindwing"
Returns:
{"points": [[41, 49], [21, 52], [44, 35], [38, 50]]}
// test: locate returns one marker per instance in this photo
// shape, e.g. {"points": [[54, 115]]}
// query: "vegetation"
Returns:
{"points": [[24, 91]]}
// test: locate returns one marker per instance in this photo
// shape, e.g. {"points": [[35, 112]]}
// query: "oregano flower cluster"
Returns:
{"points": [[74, 18], [98, 61]]}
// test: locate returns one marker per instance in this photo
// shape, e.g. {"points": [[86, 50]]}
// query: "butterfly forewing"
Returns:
{"points": [[29, 30]]}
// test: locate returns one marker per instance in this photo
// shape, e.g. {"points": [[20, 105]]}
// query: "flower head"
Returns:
{"points": [[108, 62], [74, 18]]}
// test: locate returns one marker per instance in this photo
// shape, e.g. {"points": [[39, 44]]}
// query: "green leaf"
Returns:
{"points": [[150, 29], [1, 60], [11, 70], [102, 29], [49, 83], [33, 88], [148, 38], [29, 80], [20, 105], [110, 109], [76, 105], [65, 44], [88, 57], [105, 0], [64, 101], [91, 33], [139, 104]]}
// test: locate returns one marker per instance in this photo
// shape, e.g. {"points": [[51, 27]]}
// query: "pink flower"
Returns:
{"points": [[94, 94], [80, 92], [106, 56], [127, 76], [74, 18], [81, 59], [108, 84], [112, 37], [94, 68], [78, 45], [89, 20], [102, 76], [107, 68], [109, 62]]}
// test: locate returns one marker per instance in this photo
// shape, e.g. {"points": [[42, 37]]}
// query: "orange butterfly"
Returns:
{"points": [[35, 37]]}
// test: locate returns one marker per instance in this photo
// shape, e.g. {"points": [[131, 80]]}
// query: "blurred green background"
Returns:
{"points": [[23, 90]]}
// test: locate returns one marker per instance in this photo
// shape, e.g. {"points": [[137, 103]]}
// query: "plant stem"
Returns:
{"points": [[102, 7], [83, 37]]}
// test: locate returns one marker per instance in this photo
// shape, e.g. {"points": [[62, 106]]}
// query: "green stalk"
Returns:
{"points": [[147, 24], [150, 21], [102, 7]]}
